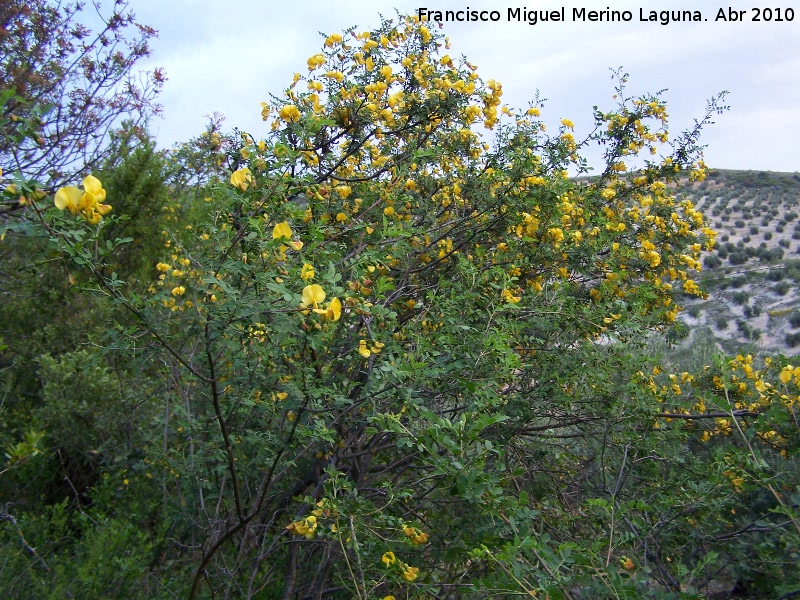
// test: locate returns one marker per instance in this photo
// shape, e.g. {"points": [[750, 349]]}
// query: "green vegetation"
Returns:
{"points": [[368, 353]]}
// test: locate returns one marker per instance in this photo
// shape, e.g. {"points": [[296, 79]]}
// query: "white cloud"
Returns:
{"points": [[229, 57]]}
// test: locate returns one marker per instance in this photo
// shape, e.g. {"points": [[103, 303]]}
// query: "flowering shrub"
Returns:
{"points": [[88, 204], [417, 338]]}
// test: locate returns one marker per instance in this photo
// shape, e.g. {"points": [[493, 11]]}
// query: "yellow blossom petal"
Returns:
{"points": [[334, 310], [281, 230], [313, 295], [388, 558], [93, 186], [68, 197], [242, 178]]}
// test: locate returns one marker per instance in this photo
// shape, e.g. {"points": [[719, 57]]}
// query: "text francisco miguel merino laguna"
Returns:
{"points": [[532, 17]]}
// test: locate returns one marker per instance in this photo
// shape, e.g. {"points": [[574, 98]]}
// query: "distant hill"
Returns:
{"points": [[753, 274]]}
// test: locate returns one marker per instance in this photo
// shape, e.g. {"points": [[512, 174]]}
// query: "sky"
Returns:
{"points": [[229, 57]]}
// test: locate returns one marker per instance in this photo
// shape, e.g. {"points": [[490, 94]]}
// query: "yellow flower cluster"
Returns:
{"points": [[88, 203], [284, 231], [366, 352], [415, 535], [407, 572], [306, 527], [242, 179], [289, 113], [313, 295]]}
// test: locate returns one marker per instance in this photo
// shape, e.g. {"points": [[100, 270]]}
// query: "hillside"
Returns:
{"points": [[752, 275]]}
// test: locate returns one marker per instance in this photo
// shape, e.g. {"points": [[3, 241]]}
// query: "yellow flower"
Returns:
{"points": [[333, 312], [307, 272], [362, 349], [313, 295], [557, 234], [93, 186], [281, 230], [68, 197], [289, 113], [343, 190], [315, 61], [415, 535], [335, 308], [306, 527], [178, 291], [242, 178], [87, 203], [163, 267], [567, 123], [388, 559], [786, 374], [333, 39], [409, 573]]}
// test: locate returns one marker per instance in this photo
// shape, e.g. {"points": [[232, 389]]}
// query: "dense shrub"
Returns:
{"points": [[377, 356], [737, 258], [792, 339], [782, 288], [741, 298]]}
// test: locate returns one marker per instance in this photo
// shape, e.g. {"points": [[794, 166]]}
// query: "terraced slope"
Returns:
{"points": [[753, 276]]}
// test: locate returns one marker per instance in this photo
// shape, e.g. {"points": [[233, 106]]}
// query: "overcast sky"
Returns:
{"points": [[227, 57]]}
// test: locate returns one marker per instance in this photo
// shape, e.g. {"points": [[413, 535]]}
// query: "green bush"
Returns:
{"points": [[782, 288], [374, 357], [741, 298], [750, 333], [792, 339], [737, 258]]}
